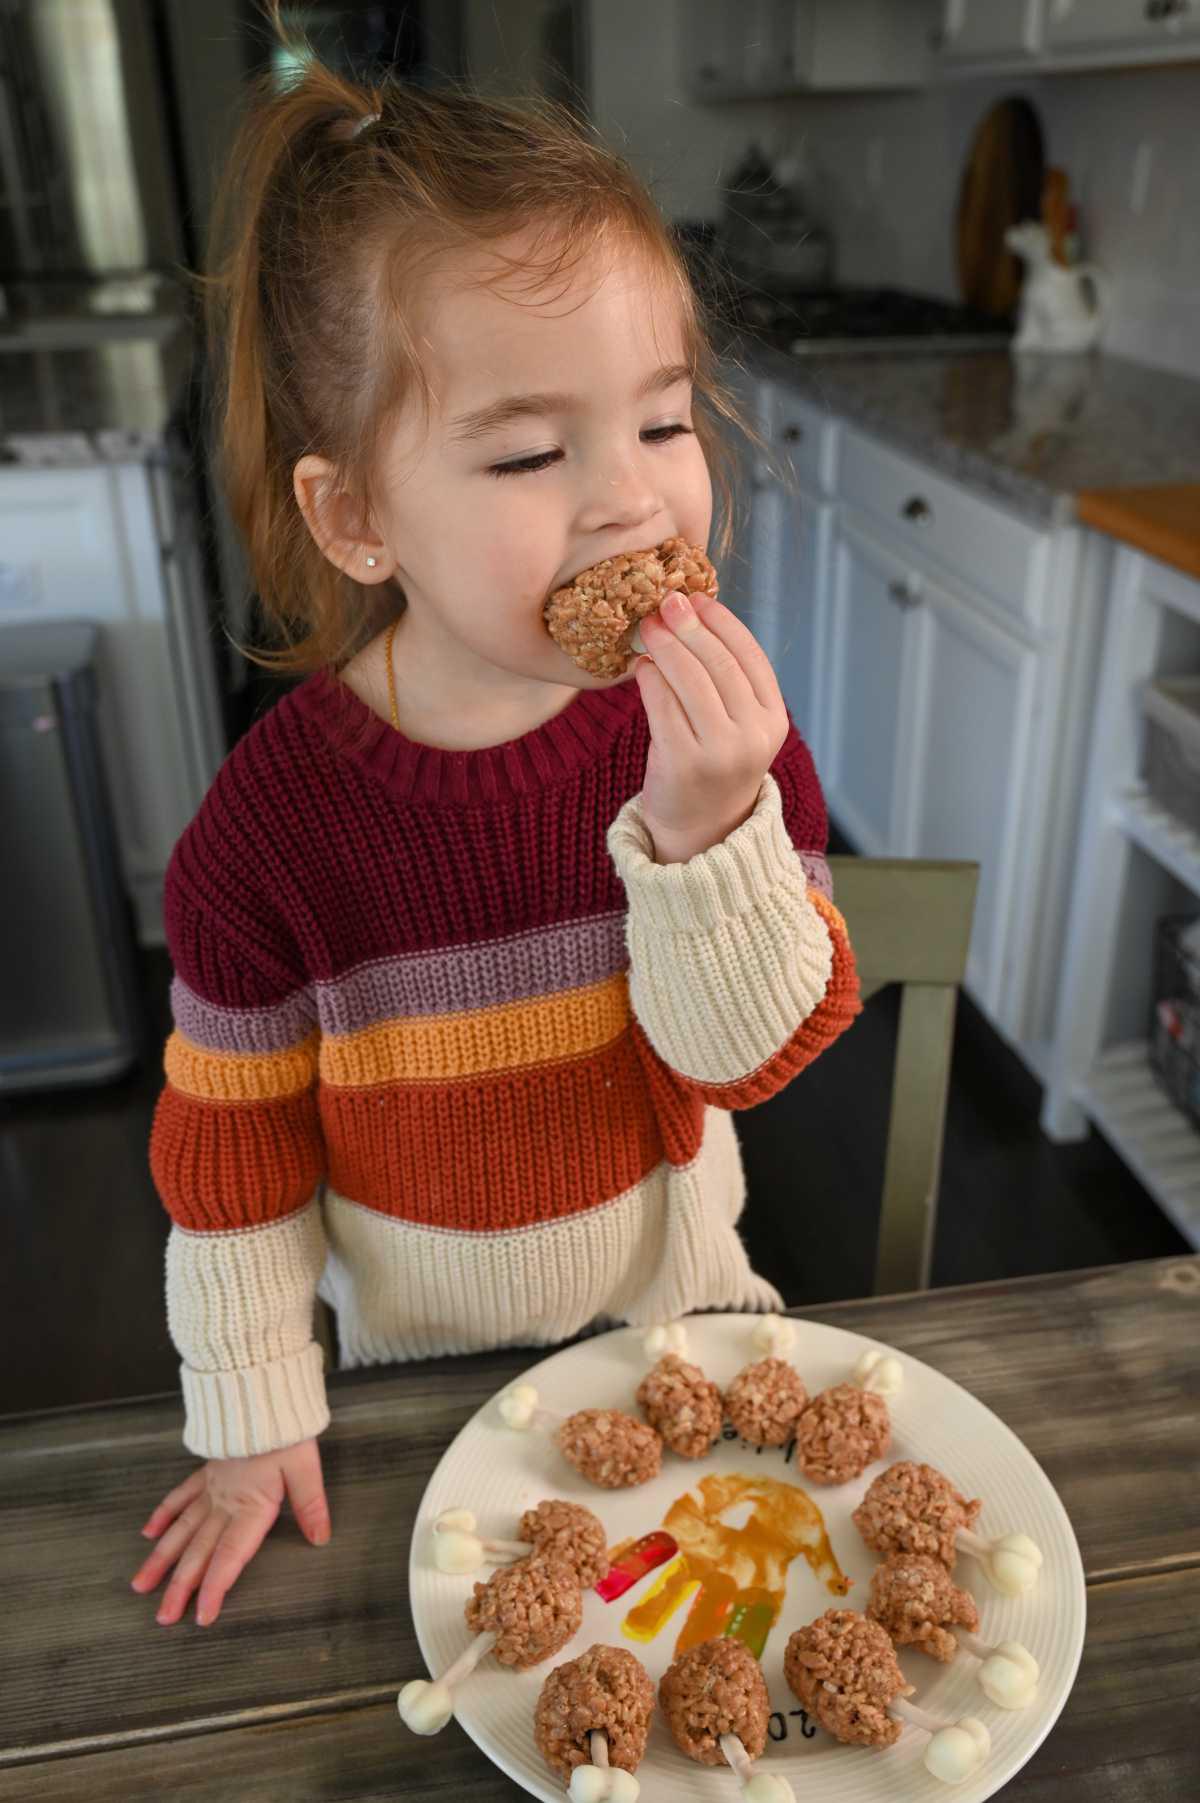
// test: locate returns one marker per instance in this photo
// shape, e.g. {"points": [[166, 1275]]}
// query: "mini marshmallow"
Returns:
{"points": [[669, 1336], [955, 1753], [425, 1706], [773, 1336], [596, 1784], [880, 1372], [1013, 1564], [517, 1406], [1008, 1676]]}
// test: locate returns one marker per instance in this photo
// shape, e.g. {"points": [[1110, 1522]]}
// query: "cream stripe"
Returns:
{"points": [[666, 1246]]}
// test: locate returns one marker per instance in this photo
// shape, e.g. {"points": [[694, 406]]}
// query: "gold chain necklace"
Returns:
{"points": [[391, 633]]}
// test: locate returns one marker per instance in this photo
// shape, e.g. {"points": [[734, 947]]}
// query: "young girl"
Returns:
{"points": [[474, 953]]}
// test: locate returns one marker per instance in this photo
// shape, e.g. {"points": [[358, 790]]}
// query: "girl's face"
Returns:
{"points": [[560, 433]]}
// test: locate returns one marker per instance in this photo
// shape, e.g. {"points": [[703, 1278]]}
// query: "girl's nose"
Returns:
{"points": [[621, 495]]}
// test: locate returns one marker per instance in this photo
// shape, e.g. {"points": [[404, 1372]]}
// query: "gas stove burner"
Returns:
{"points": [[826, 321]]}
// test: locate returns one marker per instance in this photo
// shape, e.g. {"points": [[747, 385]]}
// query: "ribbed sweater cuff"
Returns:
{"points": [[236, 1414], [723, 883]]}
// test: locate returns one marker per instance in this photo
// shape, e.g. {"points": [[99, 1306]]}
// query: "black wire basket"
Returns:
{"points": [[1175, 1026]]}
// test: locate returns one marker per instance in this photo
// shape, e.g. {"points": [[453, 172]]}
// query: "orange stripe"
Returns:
{"points": [[208, 1076], [487, 1156], [222, 1166], [471, 1042]]}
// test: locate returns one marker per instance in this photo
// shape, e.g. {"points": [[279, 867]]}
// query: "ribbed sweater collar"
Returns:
{"points": [[581, 734]]}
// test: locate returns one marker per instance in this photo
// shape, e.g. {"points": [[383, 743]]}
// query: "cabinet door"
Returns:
{"points": [[711, 47], [974, 30], [1101, 24], [871, 674], [972, 704]]}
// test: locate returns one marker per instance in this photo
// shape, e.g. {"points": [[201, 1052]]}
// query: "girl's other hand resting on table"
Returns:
{"points": [[213, 1523]]}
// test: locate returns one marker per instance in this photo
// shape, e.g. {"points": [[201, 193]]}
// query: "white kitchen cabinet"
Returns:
{"points": [[1119, 24], [870, 680], [113, 543], [967, 767], [976, 30], [738, 49]]}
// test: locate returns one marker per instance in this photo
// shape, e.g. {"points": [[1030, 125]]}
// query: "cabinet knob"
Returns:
{"points": [[793, 434], [916, 509], [903, 593]]}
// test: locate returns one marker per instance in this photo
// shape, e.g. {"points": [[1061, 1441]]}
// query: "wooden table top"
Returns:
{"points": [[1163, 521], [291, 1693]]}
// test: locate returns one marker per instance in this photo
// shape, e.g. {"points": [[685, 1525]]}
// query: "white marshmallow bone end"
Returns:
{"points": [[1008, 1676], [425, 1706], [459, 1520], [773, 1336], [457, 1553], [765, 1787], [1013, 1564], [880, 1372], [518, 1406], [668, 1336], [955, 1753], [603, 1784]]}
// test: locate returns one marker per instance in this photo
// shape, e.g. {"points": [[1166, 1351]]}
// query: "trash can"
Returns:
{"points": [[71, 1009]]}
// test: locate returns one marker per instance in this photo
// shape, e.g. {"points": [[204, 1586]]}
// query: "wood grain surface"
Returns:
{"points": [[1163, 521], [292, 1692]]}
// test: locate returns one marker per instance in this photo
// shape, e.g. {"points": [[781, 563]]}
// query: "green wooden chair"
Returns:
{"points": [[909, 921]]}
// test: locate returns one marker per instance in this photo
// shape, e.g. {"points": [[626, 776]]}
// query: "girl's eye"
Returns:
{"points": [[528, 466]]}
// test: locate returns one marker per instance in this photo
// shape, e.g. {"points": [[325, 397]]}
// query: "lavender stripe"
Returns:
{"points": [[253, 1030], [482, 975], [547, 961], [816, 870]]}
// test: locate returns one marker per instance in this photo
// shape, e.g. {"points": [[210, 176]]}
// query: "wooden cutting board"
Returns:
{"points": [[1001, 186]]}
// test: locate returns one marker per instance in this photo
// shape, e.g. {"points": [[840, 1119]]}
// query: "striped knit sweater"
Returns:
{"points": [[453, 1052]]}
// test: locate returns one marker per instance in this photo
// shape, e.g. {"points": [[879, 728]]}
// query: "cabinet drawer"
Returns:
{"points": [[976, 540]]}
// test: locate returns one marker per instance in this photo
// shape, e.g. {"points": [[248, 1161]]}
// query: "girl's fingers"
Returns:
{"points": [[704, 673], [171, 1545], [170, 1505], [191, 1568], [737, 636], [237, 1546], [669, 725]]}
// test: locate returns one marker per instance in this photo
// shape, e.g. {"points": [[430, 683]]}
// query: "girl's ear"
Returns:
{"points": [[339, 523]]}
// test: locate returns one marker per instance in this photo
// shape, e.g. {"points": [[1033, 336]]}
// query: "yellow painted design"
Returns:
{"points": [[735, 1576]]}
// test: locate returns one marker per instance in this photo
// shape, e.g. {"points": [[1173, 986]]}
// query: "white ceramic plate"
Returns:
{"points": [[498, 1473]]}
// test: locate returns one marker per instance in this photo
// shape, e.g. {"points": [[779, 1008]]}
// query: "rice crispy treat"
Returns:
{"points": [[534, 1606], [568, 1531], [686, 1409], [912, 1508], [912, 1596], [605, 1688], [765, 1400], [610, 1448], [840, 1432], [592, 616], [843, 1669], [713, 1689]]}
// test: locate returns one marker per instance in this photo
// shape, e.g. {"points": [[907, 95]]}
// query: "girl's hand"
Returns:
{"points": [[717, 724], [221, 1515]]}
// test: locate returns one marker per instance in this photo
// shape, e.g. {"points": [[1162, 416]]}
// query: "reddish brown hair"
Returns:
{"points": [[322, 227]]}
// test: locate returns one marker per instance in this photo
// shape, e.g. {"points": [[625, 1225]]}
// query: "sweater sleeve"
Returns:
{"points": [[237, 1156], [741, 969]]}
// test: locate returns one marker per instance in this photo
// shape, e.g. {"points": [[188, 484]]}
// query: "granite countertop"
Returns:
{"points": [[1032, 432], [110, 401]]}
